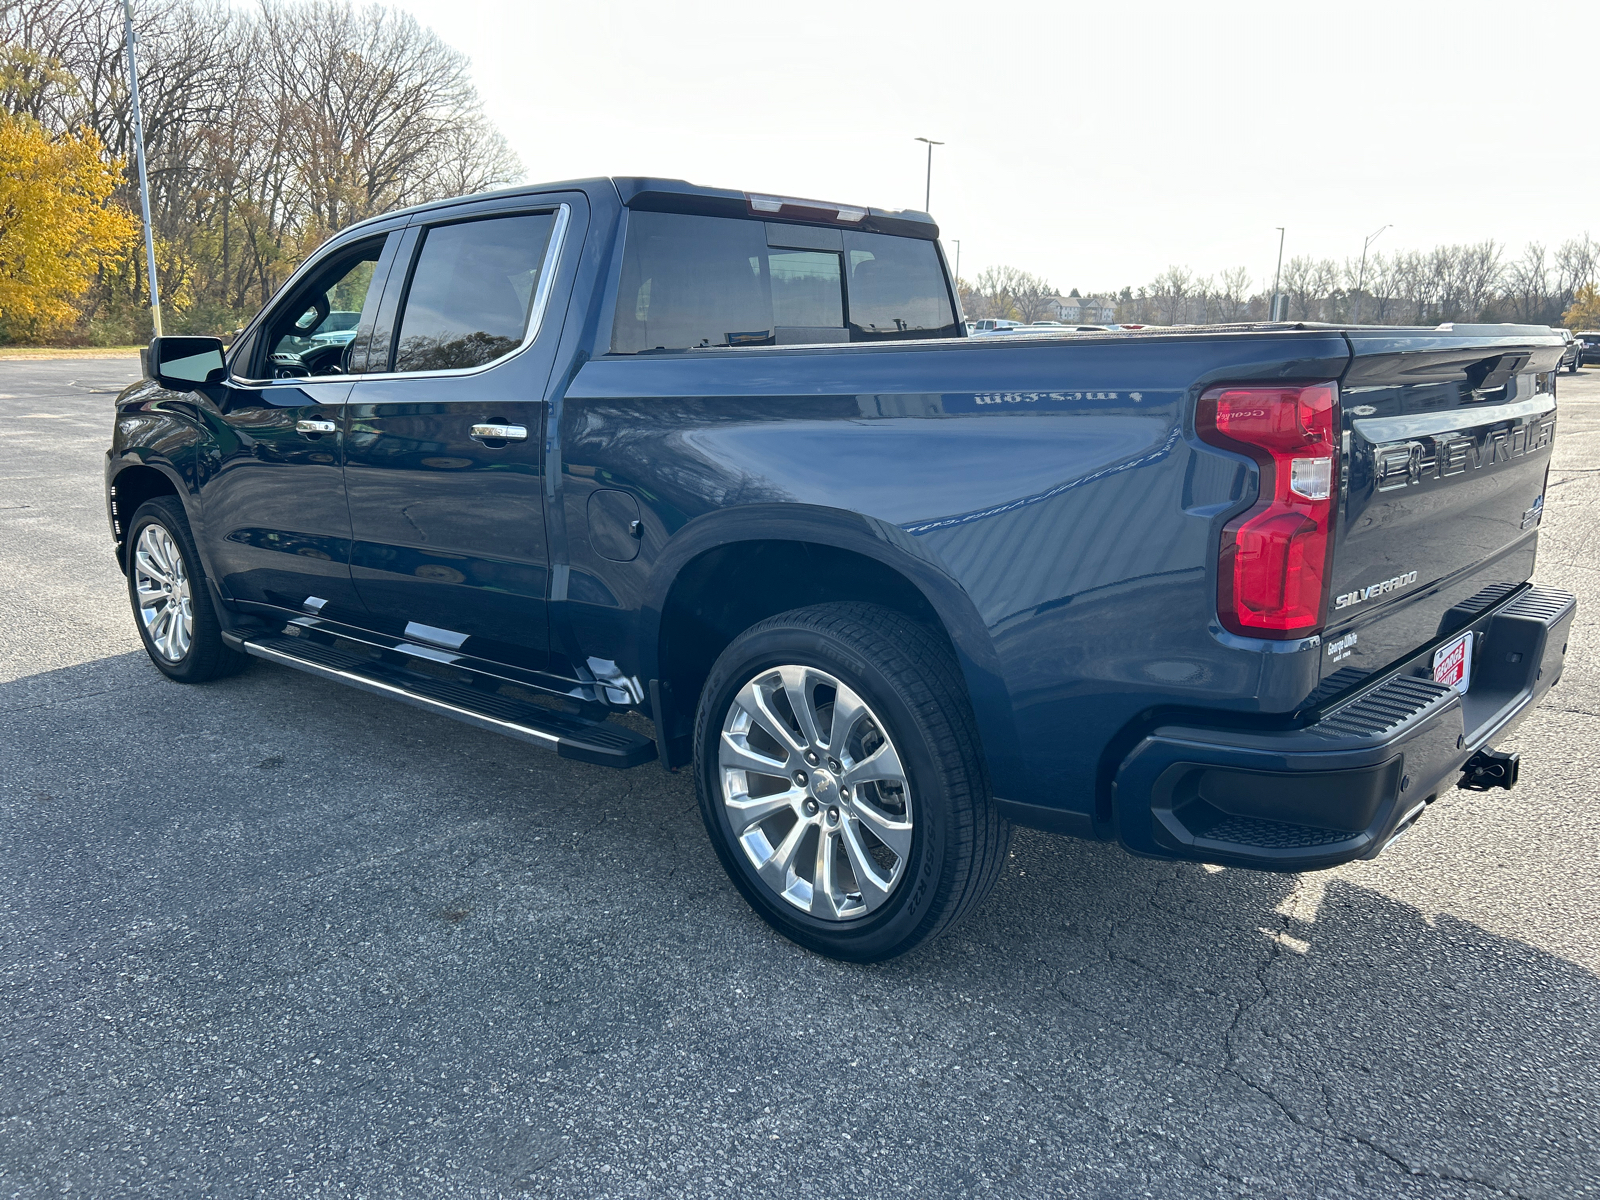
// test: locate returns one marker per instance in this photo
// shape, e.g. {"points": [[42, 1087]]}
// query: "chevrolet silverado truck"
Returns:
{"points": [[635, 470]]}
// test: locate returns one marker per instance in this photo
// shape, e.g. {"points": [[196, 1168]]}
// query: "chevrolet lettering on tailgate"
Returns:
{"points": [[1404, 464]]}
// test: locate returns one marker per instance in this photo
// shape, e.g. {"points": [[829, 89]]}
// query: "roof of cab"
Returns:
{"points": [[678, 195]]}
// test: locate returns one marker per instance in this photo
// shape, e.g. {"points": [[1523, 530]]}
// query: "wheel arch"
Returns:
{"points": [[748, 552], [133, 483]]}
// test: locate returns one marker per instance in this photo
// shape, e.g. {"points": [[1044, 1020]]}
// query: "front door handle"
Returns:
{"points": [[500, 433], [316, 427]]}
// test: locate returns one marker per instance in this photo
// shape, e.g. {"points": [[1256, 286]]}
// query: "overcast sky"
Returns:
{"points": [[1092, 143]]}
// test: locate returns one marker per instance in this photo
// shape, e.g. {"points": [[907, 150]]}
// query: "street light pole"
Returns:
{"points": [[927, 195], [1361, 276], [1277, 275], [144, 179], [957, 241]]}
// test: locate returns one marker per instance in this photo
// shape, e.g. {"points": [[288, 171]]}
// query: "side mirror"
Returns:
{"points": [[181, 362]]}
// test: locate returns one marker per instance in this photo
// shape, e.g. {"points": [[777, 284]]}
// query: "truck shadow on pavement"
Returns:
{"points": [[365, 945]]}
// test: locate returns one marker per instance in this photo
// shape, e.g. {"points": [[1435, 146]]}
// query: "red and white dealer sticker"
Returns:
{"points": [[1452, 663]]}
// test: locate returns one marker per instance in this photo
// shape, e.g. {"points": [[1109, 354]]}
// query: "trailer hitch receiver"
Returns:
{"points": [[1489, 769]]}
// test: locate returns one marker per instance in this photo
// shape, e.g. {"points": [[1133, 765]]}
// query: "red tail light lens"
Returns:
{"points": [[1272, 578]]}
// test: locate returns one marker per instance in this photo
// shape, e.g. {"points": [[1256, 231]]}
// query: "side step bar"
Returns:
{"points": [[598, 742]]}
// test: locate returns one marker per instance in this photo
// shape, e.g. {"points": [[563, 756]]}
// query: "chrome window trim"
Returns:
{"points": [[541, 301]]}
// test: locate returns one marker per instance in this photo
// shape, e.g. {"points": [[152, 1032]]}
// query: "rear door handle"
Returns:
{"points": [[316, 427], [500, 433]]}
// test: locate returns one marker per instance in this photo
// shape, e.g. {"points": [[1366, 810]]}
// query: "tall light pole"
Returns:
{"points": [[1277, 275], [144, 179], [957, 241], [1361, 276], [927, 195]]}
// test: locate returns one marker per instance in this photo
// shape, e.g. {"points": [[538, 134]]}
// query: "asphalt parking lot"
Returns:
{"points": [[273, 937]]}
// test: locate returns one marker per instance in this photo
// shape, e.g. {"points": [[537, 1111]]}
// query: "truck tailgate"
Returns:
{"points": [[1446, 444]]}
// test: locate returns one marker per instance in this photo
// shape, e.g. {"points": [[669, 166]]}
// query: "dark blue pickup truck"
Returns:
{"points": [[1248, 595]]}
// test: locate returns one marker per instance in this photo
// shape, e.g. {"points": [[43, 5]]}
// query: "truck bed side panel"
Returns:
{"points": [[1056, 487]]}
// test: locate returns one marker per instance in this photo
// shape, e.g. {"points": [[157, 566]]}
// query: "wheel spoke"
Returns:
{"points": [[753, 810], [146, 566], [162, 547], [823, 903], [875, 886], [881, 766], [794, 686], [848, 709], [754, 701], [159, 628], [734, 756], [780, 863], [893, 833]]}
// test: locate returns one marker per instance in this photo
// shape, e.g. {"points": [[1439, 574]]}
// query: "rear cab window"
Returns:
{"points": [[693, 282]]}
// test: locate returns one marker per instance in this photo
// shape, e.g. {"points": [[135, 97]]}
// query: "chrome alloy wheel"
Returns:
{"points": [[815, 792], [162, 587]]}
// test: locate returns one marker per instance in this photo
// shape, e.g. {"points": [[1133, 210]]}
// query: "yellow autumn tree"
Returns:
{"points": [[1585, 310], [58, 224]]}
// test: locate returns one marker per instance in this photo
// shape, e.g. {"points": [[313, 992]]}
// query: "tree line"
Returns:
{"points": [[1474, 282], [266, 130]]}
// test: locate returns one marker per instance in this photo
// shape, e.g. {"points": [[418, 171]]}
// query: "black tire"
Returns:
{"points": [[1576, 363], [909, 679], [206, 656]]}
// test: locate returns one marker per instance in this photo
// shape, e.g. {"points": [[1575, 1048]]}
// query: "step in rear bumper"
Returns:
{"points": [[1342, 787]]}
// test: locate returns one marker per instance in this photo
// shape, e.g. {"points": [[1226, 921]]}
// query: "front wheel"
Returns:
{"points": [[842, 783], [171, 605]]}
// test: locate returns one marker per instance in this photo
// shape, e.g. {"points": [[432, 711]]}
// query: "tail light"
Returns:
{"points": [[1273, 569]]}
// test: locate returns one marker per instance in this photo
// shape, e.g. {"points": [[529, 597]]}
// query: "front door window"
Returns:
{"points": [[312, 333]]}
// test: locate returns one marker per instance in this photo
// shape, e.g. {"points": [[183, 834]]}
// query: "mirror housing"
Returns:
{"points": [[182, 363]]}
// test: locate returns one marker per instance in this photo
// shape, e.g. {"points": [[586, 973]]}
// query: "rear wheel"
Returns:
{"points": [[841, 780], [171, 605]]}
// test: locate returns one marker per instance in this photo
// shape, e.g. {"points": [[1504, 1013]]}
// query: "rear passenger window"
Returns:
{"points": [[693, 281], [472, 292]]}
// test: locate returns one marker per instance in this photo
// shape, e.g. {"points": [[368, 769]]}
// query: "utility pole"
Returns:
{"points": [[144, 179], [957, 241], [1361, 276], [927, 195], [1277, 275]]}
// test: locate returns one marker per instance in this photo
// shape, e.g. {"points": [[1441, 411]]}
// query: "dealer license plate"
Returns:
{"points": [[1452, 663]]}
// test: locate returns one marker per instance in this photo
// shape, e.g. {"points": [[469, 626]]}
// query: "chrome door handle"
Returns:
{"points": [[500, 433], [316, 427]]}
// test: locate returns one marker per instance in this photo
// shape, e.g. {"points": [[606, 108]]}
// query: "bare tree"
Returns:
{"points": [[1233, 294], [1378, 304], [1576, 261], [1528, 284], [1169, 294], [1031, 296], [266, 130], [1324, 286], [1479, 277], [1299, 275], [998, 286]]}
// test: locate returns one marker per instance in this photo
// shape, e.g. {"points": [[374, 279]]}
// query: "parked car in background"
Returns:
{"points": [[727, 467], [992, 325], [338, 329], [1572, 352], [1589, 347]]}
